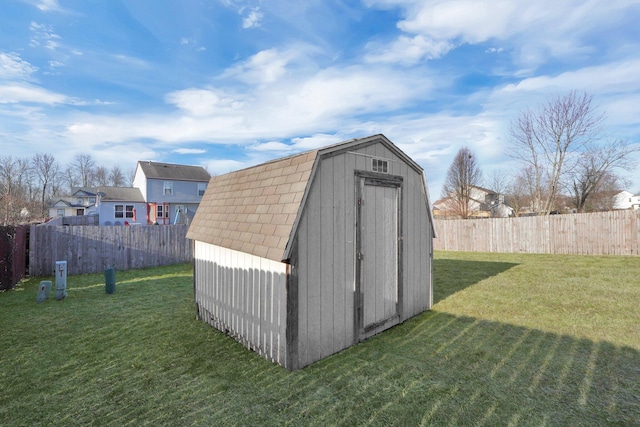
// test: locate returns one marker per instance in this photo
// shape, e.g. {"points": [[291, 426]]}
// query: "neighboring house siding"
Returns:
{"points": [[107, 213], [183, 192], [140, 181]]}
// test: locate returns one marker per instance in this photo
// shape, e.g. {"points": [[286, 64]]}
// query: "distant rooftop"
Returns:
{"points": [[155, 170]]}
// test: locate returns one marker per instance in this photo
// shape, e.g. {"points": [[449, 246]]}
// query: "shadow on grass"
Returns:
{"points": [[140, 357], [441, 369], [460, 274]]}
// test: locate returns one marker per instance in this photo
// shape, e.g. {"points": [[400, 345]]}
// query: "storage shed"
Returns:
{"points": [[304, 256]]}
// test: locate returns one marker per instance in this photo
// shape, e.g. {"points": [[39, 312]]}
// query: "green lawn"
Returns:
{"points": [[512, 340]]}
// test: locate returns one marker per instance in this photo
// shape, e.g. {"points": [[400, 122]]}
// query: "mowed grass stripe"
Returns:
{"points": [[493, 351]]}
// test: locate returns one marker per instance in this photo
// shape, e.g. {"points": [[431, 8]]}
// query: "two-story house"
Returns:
{"points": [[172, 192], [113, 205], [82, 201]]}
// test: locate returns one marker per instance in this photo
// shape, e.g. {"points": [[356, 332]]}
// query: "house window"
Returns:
{"points": [[161, 212], [119, 211], [92, 200], [60, 212], [79, 212], [201, 188], [80, 200], [380, 165], [129, 211], [168, 188]]}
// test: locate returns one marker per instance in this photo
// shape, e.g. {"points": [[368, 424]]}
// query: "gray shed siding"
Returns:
{"points": [[297, 304], [326, 251]]}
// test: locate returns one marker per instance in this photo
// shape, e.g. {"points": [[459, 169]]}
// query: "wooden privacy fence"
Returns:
{"points": [[13, 258], [92, 249], [600, 233], [74, 220]]}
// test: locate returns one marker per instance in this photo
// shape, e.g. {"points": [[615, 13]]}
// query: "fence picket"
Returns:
{"points": [[92, 249], [600, 233]]}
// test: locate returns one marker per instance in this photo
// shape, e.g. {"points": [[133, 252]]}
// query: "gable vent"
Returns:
{"points": [[379, 165]]}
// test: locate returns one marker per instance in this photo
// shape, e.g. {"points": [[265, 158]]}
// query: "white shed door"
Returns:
{"points": [[378, 257]]}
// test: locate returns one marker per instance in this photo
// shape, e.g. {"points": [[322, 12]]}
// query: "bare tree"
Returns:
{"points": [[84, 166], [46, 170], [13, 180], [462, 176], [101, 176], [130, 175], [70, 177], [116, 176], [594, 165], [603, 197], [545, 139]]}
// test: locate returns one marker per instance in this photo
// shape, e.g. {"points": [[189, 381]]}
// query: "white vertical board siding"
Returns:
{"points": [[244, 296]]}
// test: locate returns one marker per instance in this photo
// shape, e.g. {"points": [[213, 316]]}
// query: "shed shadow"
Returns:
{"points": [[453, 275]]}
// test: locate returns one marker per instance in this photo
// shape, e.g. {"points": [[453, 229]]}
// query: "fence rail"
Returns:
{"points": [[92, 249], [601, 233]]}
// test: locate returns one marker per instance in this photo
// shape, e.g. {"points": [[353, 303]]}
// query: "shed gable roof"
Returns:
{"points": [[253, 210], [170, 171]]}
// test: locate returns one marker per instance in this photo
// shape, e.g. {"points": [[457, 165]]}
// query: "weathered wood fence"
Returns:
{"points": [[13, 260], [92, 249], [74, 220], [600, 233]]}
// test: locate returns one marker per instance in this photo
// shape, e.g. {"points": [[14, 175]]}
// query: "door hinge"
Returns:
{"points": [[360, 201], [360, 256]]}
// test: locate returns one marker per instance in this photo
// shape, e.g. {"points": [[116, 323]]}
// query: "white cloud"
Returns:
{"points": [[16, 93], [189, 151], [266, 66], [324, 101], [48, 5], [611, 78], [537, 30], [13, 67], [43, 35], [274, 146], [408, 50], [253, 19], [204, 102]]}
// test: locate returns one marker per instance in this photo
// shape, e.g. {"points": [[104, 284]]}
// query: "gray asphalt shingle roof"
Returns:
{"points": [[169, 171]]}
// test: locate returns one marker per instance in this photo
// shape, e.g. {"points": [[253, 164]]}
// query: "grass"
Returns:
{"points": [[511, 340]]}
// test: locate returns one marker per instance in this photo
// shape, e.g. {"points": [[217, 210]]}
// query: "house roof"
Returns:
{"points": [[61, 203], [155, 170], [120, 194], [255, 210], [83, 192]]}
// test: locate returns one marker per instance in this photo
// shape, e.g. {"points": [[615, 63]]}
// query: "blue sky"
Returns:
{"points": [[228, 84]]}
